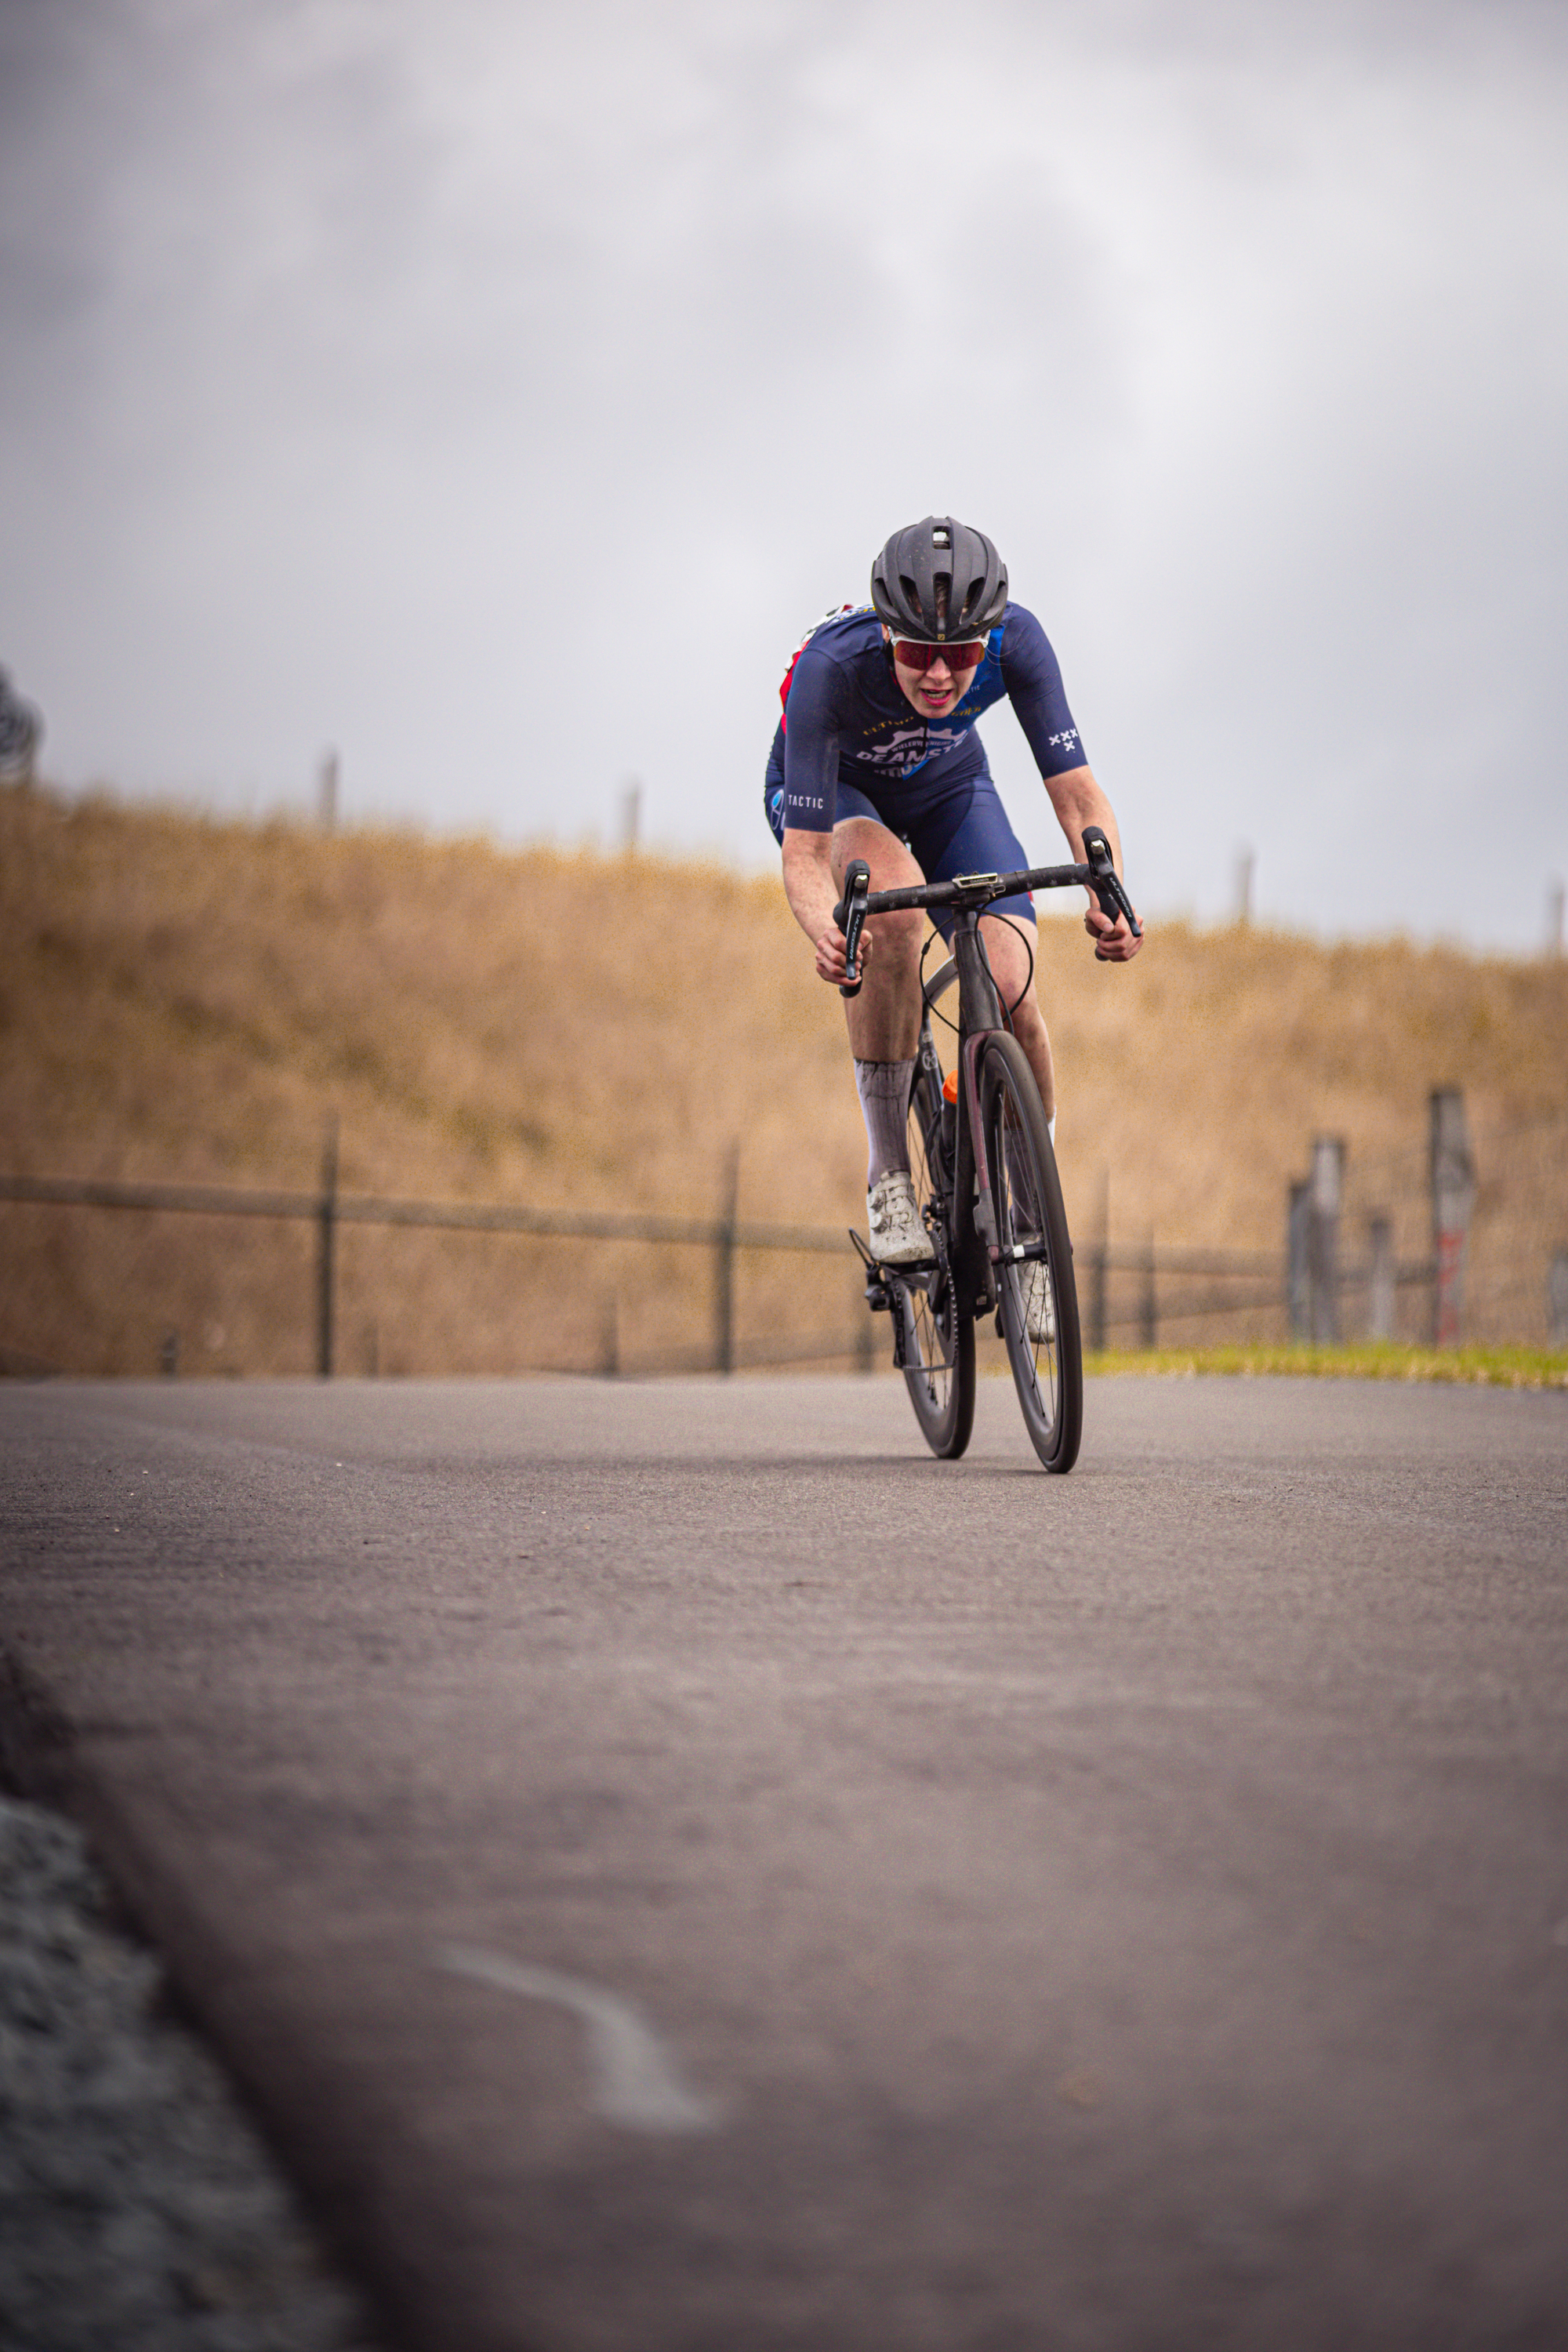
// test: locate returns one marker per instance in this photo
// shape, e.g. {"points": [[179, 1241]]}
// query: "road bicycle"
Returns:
{"points": [[985, 1178]]}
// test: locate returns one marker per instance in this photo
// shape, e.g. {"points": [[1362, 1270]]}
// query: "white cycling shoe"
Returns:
{"points": [[1040, 1304], [893, 1217]]}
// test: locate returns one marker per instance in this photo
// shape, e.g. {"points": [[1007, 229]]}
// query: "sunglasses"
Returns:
{"points": [[910, 654]]}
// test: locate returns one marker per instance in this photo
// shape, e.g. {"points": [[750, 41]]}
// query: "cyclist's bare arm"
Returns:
{"points": [[1078, 801], [813, 893]]}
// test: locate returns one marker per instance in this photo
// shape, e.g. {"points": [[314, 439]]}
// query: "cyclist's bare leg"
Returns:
{"points": [[1009, 958], [885, 1018]]}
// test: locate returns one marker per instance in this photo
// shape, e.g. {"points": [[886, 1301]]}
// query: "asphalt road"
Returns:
{"points": [[677, 1867]]}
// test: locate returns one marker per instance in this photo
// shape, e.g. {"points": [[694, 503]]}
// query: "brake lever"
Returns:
{"points": [[850, 916], [1106, 883]]}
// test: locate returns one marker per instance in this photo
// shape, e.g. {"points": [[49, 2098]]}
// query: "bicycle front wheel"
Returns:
{"points": [[1037, 1293], [937, 1341]]}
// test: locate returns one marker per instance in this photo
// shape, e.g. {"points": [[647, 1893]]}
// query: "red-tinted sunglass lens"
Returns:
{"points": [[912, 655]]}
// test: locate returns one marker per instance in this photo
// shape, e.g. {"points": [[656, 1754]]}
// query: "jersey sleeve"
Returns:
{"points": [[811, 743], [1033, 677]]}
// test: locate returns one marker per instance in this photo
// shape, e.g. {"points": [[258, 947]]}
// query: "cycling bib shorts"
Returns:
{"points": [[958, 825]]}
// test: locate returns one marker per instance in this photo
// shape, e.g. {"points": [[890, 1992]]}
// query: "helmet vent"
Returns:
{"points": [[938, 579]]}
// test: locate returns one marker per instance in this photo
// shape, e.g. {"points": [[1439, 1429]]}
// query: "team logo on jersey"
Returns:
{"points": [[910, 748]]}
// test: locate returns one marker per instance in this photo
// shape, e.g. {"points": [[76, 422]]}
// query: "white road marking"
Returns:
{"points": [[635, 2084]]}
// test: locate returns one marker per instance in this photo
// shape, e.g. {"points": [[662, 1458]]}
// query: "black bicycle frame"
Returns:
{"points": [[980, 1016]]}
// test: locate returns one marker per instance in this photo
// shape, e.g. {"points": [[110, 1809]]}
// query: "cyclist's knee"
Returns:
{"points": [[1012, 964], [900, 934]]}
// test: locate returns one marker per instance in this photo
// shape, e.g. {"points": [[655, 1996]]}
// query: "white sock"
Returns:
{"points": [[1051, 1129], [884, 1091]]}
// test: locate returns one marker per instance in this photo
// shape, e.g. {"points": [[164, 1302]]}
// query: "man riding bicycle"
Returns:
{"points": [[853, 775]]}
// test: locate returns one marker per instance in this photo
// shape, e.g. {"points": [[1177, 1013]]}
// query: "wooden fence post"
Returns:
{"points": [[1099, 1267], [1557, 1300], [724, 1268], [1297, 1281], [1150, 1315], [21, 731], [1453, 1198], [631, 815], [1380, 1287], [326, 1224], [1323, 1238]]}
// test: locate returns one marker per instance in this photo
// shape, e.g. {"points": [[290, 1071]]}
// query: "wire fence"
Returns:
{"points": [[1364, 1251], [1514, 1246], [1461, 1235], [327, 1211]]}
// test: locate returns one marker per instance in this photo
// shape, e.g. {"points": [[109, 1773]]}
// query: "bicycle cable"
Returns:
{"points": [[932, 937], [1029, 975]]}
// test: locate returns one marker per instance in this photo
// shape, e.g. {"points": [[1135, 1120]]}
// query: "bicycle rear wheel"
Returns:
{"points": [[937, 1341], [1033, 1277]]}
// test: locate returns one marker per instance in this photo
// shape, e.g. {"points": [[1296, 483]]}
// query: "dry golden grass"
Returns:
{"points": [[185, 999]]}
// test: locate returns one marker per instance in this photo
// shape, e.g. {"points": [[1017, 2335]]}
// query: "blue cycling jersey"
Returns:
{"points": [[847, 720]]}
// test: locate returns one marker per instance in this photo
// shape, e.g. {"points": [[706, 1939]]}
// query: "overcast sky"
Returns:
{"points": [[494, 392]]}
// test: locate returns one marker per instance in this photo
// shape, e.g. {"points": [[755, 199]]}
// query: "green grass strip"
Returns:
{"points": [[1365, 1360]]}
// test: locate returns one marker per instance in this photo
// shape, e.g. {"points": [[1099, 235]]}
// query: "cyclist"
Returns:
{"points": [[876, 757]]}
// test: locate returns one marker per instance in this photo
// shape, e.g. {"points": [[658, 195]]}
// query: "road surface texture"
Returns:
{"points": [[677, 1867]]}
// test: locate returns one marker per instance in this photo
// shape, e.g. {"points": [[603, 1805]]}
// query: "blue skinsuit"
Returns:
{"points": [[850, 744]]}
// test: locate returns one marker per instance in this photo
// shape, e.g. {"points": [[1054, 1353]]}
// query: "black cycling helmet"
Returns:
{"points": [[939, 554]]}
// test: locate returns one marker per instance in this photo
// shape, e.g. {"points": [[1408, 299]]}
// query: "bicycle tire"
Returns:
{"points": [[1026, 1196], [938, 1339]]}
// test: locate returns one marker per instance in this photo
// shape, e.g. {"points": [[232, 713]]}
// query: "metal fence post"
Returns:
{"points": [[1380, 1286], [1297, 1282], [724, 1268], [1323, 1238], [1151, 1314], [1453, 1197], [326, 1226]]}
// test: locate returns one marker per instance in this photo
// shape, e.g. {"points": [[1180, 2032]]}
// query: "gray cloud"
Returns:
{"points": [[496, 395]]}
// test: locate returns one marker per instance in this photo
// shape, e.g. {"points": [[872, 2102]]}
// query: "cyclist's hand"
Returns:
{"points": [[1113, 942], [830, 963]]}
